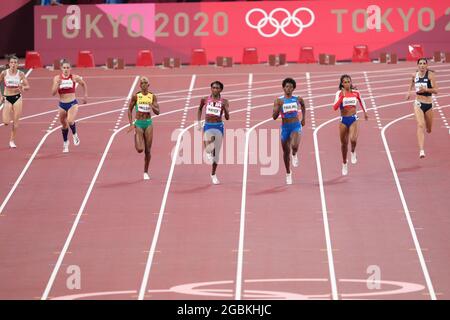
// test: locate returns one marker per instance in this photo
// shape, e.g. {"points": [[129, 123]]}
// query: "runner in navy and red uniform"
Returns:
{"points": [[14, 83], [290, 107], [424, 83], [216, 107], [64, 84], [346, 100]]}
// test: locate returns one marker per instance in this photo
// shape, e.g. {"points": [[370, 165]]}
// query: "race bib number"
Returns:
{"points": [[12, 82], [349, 102], [290, 107], [214, 109], [66, 84], [420, 85], [144, 108]]}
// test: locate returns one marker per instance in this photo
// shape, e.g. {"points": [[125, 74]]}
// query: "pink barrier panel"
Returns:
{"points": [[226, 28]]}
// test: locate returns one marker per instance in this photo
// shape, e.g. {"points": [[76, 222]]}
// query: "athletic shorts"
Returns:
{"points": [[67, 105], [288, 128], [349, 120], [143, 123]]}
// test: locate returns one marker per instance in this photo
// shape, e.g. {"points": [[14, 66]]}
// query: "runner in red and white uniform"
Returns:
{"points": [[216, 107], [64, 84], [346, 100]]}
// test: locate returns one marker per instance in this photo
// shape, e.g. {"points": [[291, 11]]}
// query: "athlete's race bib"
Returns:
{"points": [[214, 109], [13, 82], [144, 108], [66, 84], [420, 85], [290, 107], [351, 101]]}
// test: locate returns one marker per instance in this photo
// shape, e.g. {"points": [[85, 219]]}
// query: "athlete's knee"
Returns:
{"points": [[140, 150], [421, 126]]}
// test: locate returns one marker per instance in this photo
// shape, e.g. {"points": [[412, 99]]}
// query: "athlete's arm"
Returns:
{"points": [[2, 77], [434, 85], [411, 86], [56, 83], [155, 105], [226, 109], [130, 109], [82, 83], [24, 81], [303, 108], [277, 105], [363, 105], [200, 109], [338, 99]]}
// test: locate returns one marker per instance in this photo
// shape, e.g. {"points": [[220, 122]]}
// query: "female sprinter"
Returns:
{"points": [[216, 106], [288, 106], [425, 85], [14, 82], [143, 102], [64, 84], [346, 100]]}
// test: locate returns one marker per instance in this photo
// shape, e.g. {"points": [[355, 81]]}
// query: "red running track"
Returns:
{"points": [[251, 237]]}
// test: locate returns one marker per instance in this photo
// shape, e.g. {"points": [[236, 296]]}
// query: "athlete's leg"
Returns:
{"points": [[286, 145], [64, 124], [139, 142], [17, 112], [420, 118], [295, 141], [343, 134], [429, 119], [353, 134], [148, 137], [6, 112]]}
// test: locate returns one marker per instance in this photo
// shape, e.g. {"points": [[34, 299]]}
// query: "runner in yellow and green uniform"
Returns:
{"points": [[143, 102]]}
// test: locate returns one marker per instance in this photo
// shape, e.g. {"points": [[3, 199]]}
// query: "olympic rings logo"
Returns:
{"points": [[268, 18]]}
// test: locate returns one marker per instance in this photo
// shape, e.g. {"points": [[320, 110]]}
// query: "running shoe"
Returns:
{"points": [[146, 176], [288, 178], [12, 144], [66, 147], [214, 179], [353, 157], [76, 140], [344, 169], [295, 160], [422, 154]]}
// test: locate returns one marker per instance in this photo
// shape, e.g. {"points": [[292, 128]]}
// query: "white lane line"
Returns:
{"points": [[441, 113], [52, 111], [30, 160], [240, 251], [125, 104], [188, 101], [323, 199], [405, 207], [326, 225], [83, 204], [249, 100], [372, 101], [310, 101], [149, 263]]}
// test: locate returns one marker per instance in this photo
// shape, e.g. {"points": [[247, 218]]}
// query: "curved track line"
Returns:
{"points": [[83, 204], [240, 252], [405, 206]]}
